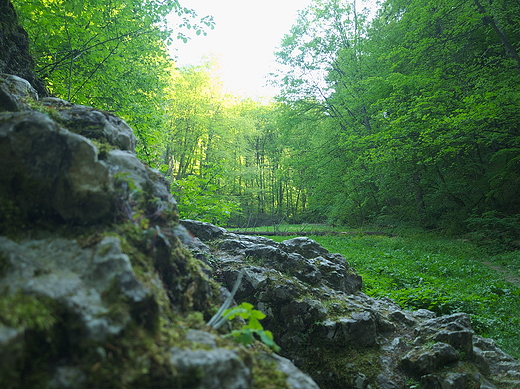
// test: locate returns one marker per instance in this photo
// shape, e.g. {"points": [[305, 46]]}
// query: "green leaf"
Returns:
{"points": [[267, 338], [257, 314], [254, 324]]}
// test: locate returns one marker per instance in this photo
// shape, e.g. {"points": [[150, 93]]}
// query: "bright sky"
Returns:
{"points": [[246, 34]]}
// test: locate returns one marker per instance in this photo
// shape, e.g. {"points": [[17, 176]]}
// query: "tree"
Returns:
{"points": [[415, 117], [451, 90], [111, 55]]}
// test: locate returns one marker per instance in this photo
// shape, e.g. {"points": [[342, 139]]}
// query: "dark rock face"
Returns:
{"points": [[14, 48], [61, 168], [341, 337]]}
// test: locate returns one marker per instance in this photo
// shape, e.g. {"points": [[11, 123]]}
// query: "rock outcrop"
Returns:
{"points": [[96, 289], [14, 49], [341, 337]]}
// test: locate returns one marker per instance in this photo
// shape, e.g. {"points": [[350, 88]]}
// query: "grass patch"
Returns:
{"points": [[300, 228], [426, 270]]}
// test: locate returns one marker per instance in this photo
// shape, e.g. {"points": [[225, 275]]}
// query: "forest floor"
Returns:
{"points": [[505, 272]]}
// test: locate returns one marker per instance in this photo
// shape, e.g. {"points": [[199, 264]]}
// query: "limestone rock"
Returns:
{"points": [[215, 369], [295, 378], [451, 329], [303, 258], [73, 307], [46, 169], [425, 360], [324, 323], [15, 93], [76, 278], [304, 246], [202, 230], [92, 123], [125, 165], [202, 338]]}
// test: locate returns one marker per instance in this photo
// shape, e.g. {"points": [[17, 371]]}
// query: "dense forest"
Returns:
{"points": [[409, 115]]}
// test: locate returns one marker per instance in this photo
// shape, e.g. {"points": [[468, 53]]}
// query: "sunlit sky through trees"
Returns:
{"points": [[246, 34]]}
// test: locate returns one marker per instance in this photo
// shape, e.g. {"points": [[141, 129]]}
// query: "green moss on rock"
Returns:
{"points": [[267, 376], [26, 311]]}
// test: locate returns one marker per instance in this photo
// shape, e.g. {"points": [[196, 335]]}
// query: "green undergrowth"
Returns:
{"points": [[445, 275]]}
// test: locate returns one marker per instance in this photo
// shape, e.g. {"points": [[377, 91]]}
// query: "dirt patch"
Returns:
{"points": [[515, 280]]}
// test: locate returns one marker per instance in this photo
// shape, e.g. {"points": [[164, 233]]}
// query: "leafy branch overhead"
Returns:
{"points": [[80, 45]]}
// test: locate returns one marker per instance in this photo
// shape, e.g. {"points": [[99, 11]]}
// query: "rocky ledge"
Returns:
{"points": [[338, 335], [100, 286]]}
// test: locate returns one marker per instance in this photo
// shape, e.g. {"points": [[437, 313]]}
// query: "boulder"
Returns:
{"points": [[204, 231], [304, 246], [77, 278], [47, 170], [425, 360], [15, 93], [211, 369], [92, 123]]}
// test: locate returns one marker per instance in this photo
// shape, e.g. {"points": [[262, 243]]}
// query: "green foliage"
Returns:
{"points": [[424, 270], [199, 198], [407, 117], [412, 119], [113, 56], [496, 232], [246, 334]]}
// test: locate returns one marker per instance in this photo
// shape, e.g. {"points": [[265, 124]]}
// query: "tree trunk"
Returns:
{"points": [[510, 50], [14, 49]]}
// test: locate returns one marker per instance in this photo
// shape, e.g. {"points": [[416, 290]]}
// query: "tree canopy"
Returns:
{"points": [[416, 109], [407, 115]]}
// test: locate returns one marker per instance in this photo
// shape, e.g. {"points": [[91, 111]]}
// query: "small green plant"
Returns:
{"points": [[245, 335], [413, 384]]}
